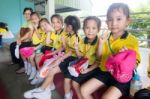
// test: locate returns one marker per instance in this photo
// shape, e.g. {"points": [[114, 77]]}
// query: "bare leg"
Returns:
{"points": [[89, 87], [76, 86], [112, 93], [49, 80], [67, 85], [32, 57], [37, 59]]}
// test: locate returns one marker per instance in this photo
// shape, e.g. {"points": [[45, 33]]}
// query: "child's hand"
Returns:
{"points": [[50, 28], [58, 61], [18, 41], [84, 71], [123, 49], [76, 44], [34, 48], [104, 36], [49, 54], [63, 39]]}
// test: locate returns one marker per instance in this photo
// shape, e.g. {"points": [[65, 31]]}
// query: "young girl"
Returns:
{"points": [[37, 36], [87, 48], [120, 40], [54, 39], [60, 65]]}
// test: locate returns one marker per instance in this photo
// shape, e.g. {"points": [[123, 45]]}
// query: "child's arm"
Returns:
{"points": [[76, 45], [92, 67], [102, 39], [60, 59], [48, 40], [26, 36], [63, 47]]}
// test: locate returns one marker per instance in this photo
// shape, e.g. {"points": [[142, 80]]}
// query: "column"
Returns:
{"points": [[49, 8]]}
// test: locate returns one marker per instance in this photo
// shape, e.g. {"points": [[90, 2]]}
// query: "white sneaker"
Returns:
{"points": [[45, 94], [37, 80], [32, 76], [29, 94]]}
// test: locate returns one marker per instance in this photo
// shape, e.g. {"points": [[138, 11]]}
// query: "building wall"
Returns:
{"points": [[11, 12]]}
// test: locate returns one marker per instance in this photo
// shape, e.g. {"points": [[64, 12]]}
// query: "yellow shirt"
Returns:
{"points": [[36, 40], [57, 41], [126, 40], [89, 49], [70, 41]]}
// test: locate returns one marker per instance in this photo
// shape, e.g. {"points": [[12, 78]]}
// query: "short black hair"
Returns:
{"points": [[27, 8], [96, 19], [117, 6], [74, 22]]}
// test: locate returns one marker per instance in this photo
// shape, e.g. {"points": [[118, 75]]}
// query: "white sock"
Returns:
{"points": [[69, 95], [29, 69], [26, 66], [33, 73]]}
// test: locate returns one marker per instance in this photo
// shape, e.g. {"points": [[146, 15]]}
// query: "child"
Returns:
{"points": [[54, 39], [60, 65], [87, 48], [120, 40], [37, 36]]}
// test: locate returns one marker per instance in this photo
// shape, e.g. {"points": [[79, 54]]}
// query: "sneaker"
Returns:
{"points": [[29, 94], [32, 75], [45, 94], [36, 81]]}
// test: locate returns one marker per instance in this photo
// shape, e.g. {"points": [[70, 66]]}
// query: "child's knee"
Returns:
{"points": [[75, 84], [84, 92]]}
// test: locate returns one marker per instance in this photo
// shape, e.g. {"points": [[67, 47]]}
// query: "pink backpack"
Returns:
{"points": [[121, 65]]}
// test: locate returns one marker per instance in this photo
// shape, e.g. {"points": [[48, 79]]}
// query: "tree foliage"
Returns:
{"points": [[141, 21]]}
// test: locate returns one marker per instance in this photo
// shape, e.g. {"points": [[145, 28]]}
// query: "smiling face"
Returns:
{"points": [[91, 29], [117, 21], [57, 24], [35, 19], [45, 26]]}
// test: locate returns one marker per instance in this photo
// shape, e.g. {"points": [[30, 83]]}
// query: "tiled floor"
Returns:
{"points": [[15, 85]]}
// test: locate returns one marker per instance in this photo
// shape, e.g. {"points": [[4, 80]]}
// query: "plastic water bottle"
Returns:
{"points": [[136, 84]]}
